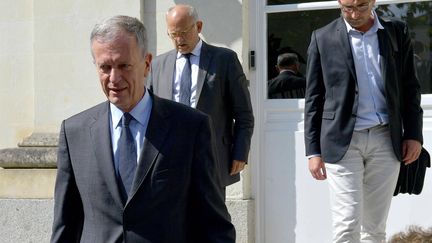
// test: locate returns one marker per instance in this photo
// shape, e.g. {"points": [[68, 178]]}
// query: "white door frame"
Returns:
{"points": [[272, 115]]}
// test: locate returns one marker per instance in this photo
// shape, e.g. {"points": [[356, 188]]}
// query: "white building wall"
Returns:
{"points": [[48, 75], [45, 62], [16, 69], [65, 79]]}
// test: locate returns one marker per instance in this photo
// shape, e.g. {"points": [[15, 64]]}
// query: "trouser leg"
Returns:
{"points": [[361, 187], [345, 180], [380, 178]]}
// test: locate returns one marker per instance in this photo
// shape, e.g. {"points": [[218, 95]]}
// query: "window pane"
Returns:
{"points": [[418, 16], [279, 2], [290, 33]]}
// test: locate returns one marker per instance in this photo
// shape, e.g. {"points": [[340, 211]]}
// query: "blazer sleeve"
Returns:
{"points": [[412, 113], [68, 210], [314, 99], [211, 221], [241, 107]]}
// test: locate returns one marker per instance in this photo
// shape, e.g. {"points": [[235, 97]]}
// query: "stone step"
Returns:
{"points": [[39, 150], [40, 140], [28, 157]]}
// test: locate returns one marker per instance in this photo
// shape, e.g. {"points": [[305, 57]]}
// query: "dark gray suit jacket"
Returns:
{"points": [[332, 92], [222, 93], [175, 193], [287, 85]]}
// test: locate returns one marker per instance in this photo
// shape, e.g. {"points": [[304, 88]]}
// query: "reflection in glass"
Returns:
{"points": [[290, 33], [280, 2], [418, 16]]}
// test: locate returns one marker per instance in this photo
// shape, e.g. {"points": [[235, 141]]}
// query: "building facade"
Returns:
{"points": [[48, 75]]}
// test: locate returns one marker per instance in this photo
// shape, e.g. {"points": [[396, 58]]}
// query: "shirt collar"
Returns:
{"points": [[376, 25], [143, 105], [287, 70], [196, 51]]}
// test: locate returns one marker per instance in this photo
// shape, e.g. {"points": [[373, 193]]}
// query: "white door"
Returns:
{"points": [[290, 205]]}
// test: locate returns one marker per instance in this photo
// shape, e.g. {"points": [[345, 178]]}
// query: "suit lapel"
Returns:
{"points": [[387, 46], [101, 139], [343, 38], [204, 63], [157, 130]]}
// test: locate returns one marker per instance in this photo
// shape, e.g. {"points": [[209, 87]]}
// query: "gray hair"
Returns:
{"points": [[192, 12], [110, 29]]}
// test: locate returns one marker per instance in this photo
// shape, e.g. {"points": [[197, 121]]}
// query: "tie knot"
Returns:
{"points": [[187, 55], [126, 119]]}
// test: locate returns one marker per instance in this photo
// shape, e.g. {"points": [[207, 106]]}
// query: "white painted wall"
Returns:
{"points": [[65, 79], [16, 69], [45, 62]]}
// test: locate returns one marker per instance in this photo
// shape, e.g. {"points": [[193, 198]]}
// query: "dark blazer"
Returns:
{"points": [[332, 92], [287, 85], [175, 193], [222, 93]]}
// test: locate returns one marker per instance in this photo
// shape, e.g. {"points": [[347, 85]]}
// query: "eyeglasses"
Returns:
{"points": [[359, 9], [174, 35]]}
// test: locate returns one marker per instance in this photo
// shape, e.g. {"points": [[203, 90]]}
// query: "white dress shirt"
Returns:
{"points": [[180, 63]]}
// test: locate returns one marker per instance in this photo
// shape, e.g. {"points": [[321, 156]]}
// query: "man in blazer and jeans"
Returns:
{"points": [[217, 86], [136, 168], [362, 116]]}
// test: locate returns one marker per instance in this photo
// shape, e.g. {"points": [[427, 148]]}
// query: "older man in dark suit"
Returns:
{"points": [[362, 116], [290, 83], [136, 168], [211, 80]]}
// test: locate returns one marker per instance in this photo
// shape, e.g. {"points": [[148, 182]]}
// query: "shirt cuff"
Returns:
{"points": [[313, 156]]}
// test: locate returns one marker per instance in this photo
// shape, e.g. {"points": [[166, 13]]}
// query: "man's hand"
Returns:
{"points": [[410, 150], [317, 168], [237, 166]]}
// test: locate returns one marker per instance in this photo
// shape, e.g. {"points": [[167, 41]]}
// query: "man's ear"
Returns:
{"points": [[148, 59], [199, 25]]}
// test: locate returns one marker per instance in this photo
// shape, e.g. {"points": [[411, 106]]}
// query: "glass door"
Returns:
{"points": [[286, 195]]}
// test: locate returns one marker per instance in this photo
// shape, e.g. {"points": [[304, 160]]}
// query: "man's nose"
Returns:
{"points": [[355, 14], [178, 39], [115, 75]]}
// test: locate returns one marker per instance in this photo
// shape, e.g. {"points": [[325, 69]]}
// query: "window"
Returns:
{"points": [[290, 32], [279, 2], [418, 16]]}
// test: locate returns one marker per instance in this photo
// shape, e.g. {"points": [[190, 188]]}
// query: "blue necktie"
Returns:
{"points": [[127, 158], [186, 81]]}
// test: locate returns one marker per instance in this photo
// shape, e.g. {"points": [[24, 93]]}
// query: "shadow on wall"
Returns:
{"points": [[222, 20]]}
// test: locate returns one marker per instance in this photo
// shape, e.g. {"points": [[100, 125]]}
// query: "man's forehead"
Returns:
{"points": [[180, 21], [354, 2]]}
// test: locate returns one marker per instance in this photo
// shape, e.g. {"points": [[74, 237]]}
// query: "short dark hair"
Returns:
{"points": [[287, 59]]}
